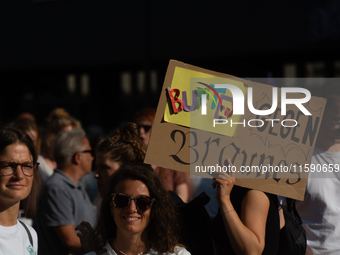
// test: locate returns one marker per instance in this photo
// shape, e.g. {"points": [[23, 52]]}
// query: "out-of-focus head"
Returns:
{"points": [[330, 126], [122, 147], [150, 216], [18, 165], [26, 115], [58, 120], [30, 127], [72, 147], [144, 119]]}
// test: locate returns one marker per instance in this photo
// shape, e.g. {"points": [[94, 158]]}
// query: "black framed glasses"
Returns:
{"points": [[87, 151], [142, 202], [9, 168], [145, 127]]}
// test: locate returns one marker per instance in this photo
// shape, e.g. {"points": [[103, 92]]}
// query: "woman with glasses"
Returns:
{"points": [[137, 216], [18, 165]]}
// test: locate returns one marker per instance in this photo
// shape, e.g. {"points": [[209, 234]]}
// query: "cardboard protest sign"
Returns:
{"points": [[204, 117]]}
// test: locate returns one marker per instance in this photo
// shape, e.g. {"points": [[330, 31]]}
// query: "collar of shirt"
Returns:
{"points": [[66, 179]]}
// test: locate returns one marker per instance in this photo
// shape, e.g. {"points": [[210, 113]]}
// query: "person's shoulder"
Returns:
{"points": [[181, 251], [55, 188], [54, 178], [56, 181], [31, 229]]}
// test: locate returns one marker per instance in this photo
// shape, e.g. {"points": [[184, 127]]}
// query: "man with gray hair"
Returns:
{"points": [[64, 203]]}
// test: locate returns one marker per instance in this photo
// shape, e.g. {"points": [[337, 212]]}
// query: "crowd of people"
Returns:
{"points": [[134, 210]]}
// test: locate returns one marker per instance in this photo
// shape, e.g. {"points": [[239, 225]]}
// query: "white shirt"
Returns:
{"points": [[44, 169], [320, 210], [14, 240], [178, 251]]}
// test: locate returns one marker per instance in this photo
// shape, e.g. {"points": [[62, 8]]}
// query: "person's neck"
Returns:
{"points": [[130, 245], [9, 214], [72, 172], [327, 146]]}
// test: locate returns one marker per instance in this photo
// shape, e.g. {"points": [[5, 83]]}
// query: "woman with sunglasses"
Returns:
{"points": [[122, 147], [18, 165], [137, 215]]}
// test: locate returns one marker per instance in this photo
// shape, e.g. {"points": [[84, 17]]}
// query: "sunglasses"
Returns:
{"points": [[145, 127], [142, 202]]}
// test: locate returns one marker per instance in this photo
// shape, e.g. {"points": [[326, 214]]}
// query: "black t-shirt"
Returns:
{"points": [[272, 225]]}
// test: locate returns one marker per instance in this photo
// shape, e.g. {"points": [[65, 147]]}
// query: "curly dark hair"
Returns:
{"points": [[124, 145], [163, 228], [11, 135]]}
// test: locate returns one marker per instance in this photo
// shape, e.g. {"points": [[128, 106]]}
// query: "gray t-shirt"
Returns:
{"points": [[62, 202]]}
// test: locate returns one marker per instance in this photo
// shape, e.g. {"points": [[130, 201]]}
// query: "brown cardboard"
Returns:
{"points": [[167, 147]]}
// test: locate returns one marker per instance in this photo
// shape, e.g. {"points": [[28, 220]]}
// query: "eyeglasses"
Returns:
{"points": [[87, 151], [335, 122], [142, 202], [145, 127], [9, 168]]}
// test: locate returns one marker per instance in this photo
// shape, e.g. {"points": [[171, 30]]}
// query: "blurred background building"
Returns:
{"points": [[104, 60]]}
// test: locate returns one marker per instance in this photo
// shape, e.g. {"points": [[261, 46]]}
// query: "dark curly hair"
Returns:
{"points": [[163, 228], [124, 145]]}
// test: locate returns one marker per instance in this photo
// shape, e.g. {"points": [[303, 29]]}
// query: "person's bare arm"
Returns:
{"points": [[246, 234], [182, 190], [68, 236]]}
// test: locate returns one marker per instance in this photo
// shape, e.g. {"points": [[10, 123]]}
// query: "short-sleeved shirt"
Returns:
{"points": [[62, 202], [15, 240]]}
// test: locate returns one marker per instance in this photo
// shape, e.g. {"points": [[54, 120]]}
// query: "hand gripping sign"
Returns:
{"points": [[204, 117]]}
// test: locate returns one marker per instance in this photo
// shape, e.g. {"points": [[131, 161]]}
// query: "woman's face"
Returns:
{"points": [[130, 220], [144, 128], [17, 186], [105, 168]]}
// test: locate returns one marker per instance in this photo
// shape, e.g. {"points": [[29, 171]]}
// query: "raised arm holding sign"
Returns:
{"points": [[269, 153], [204, 118]]}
